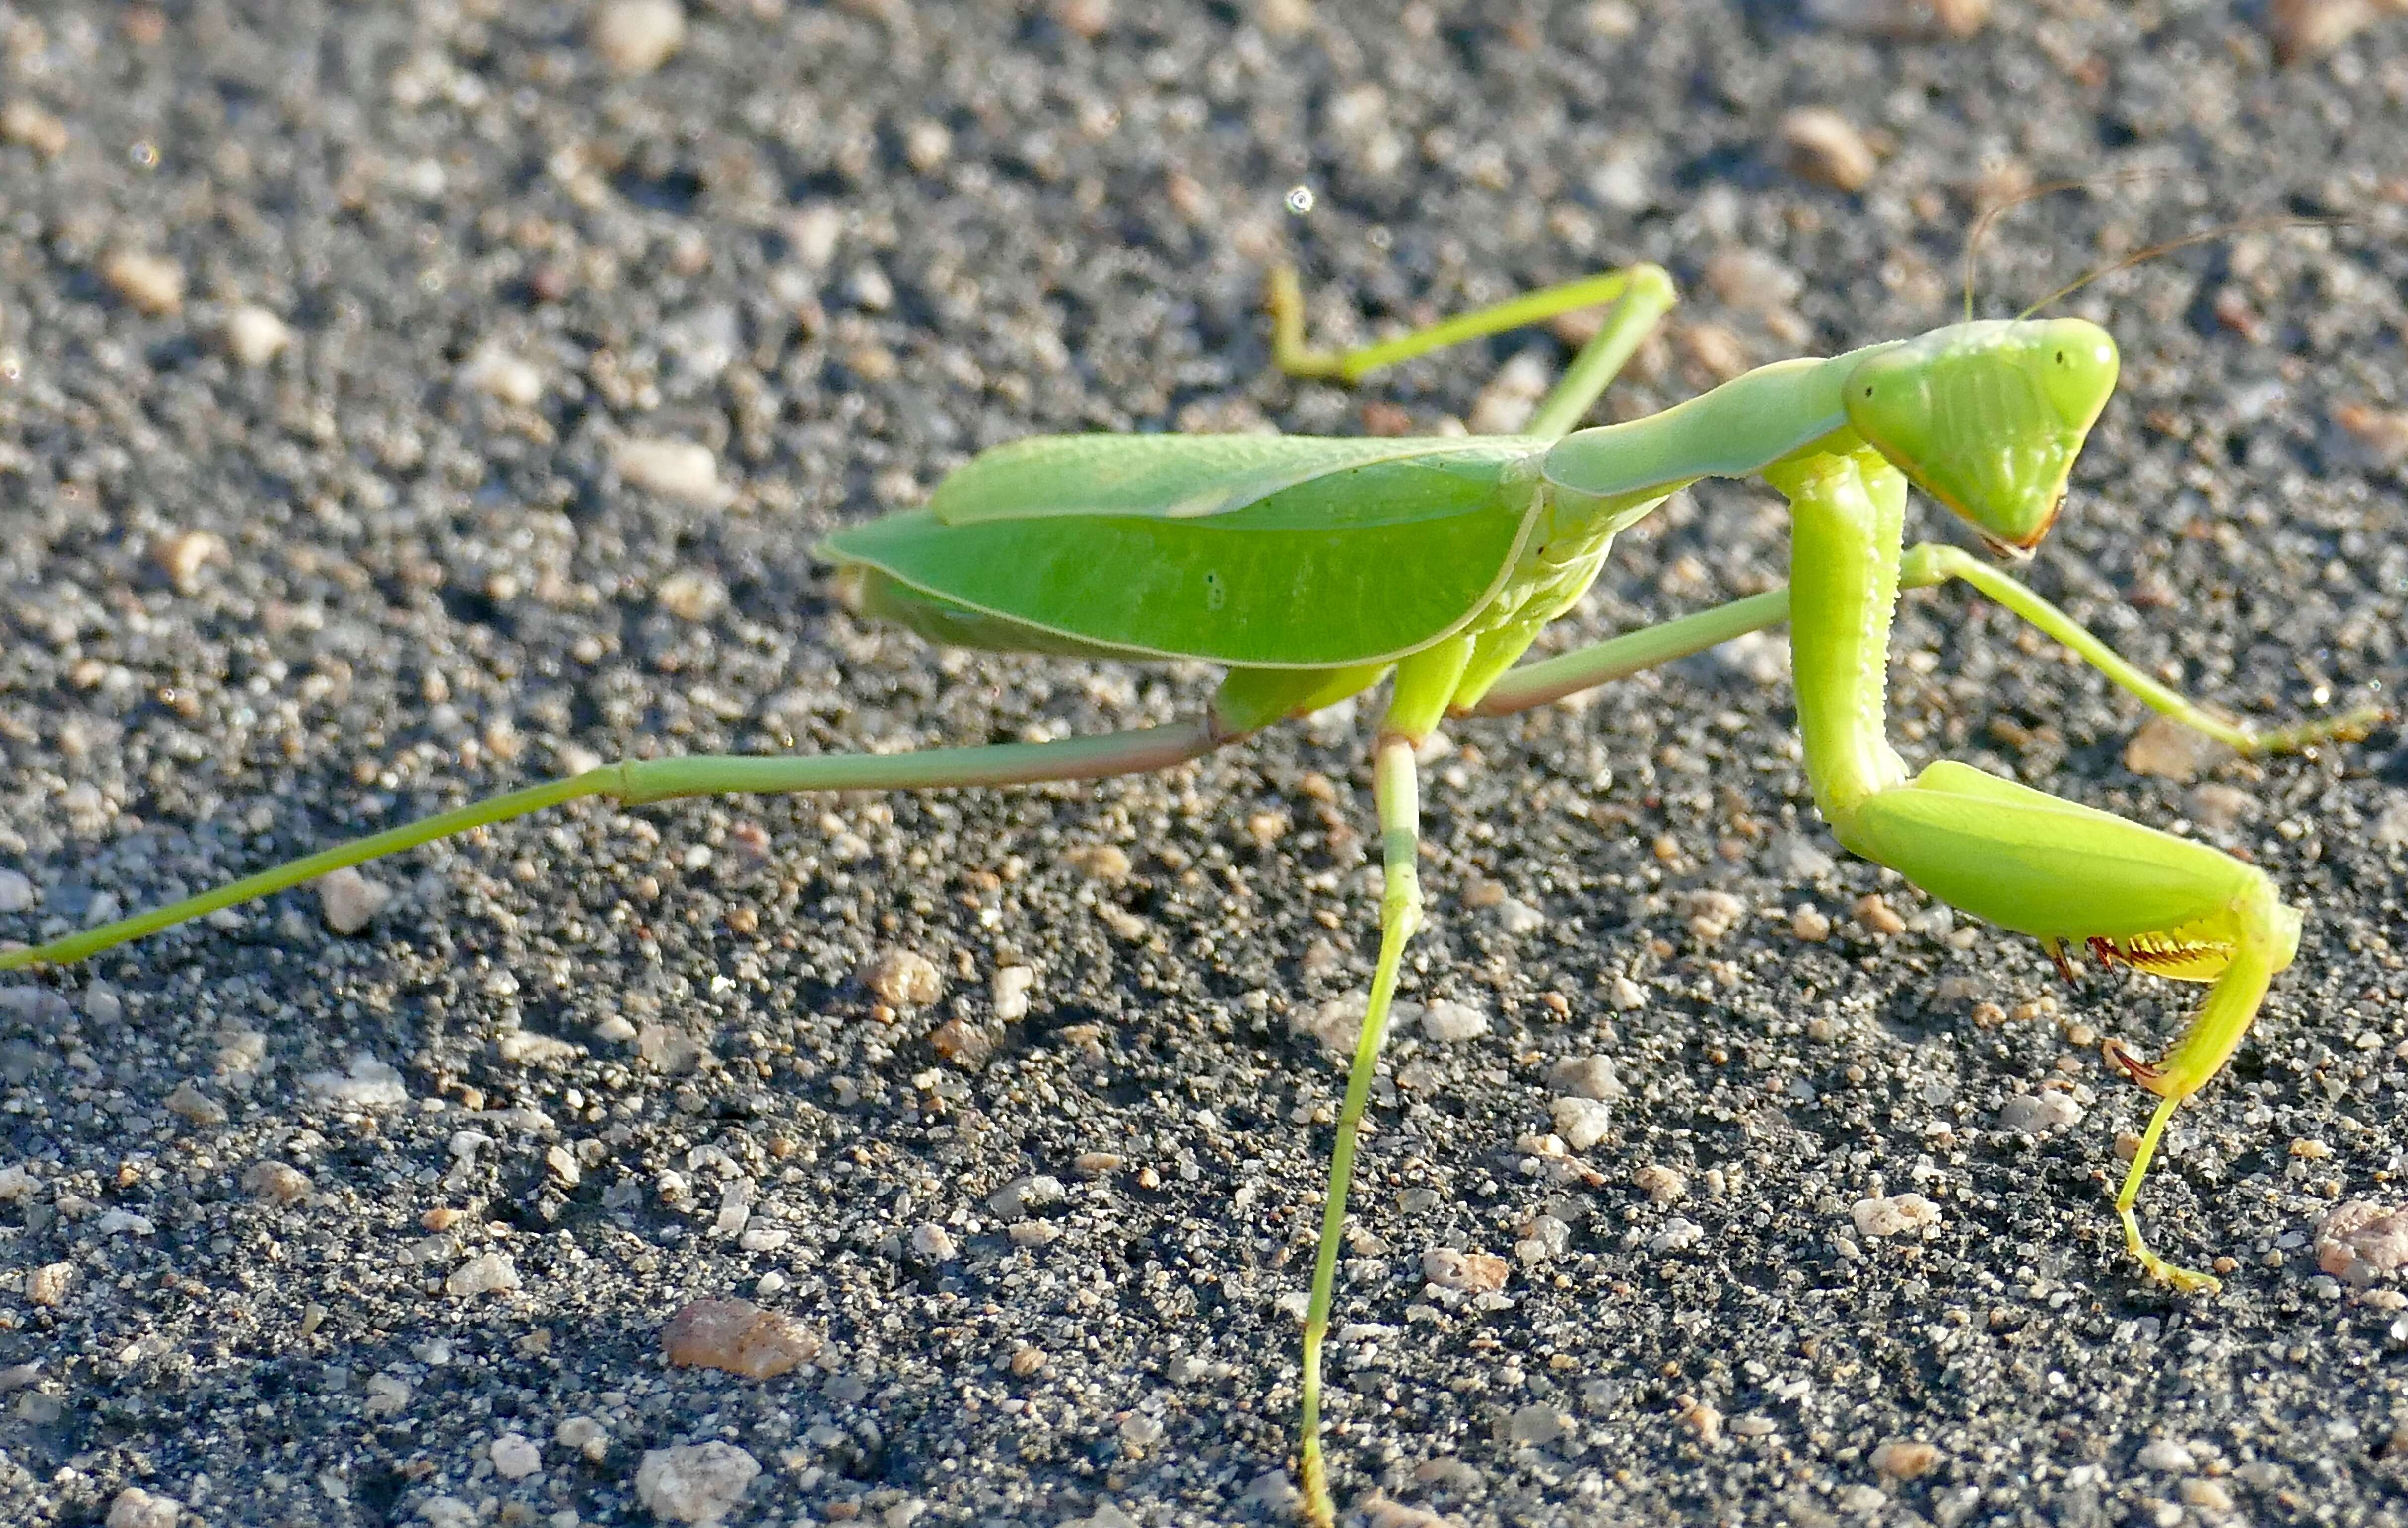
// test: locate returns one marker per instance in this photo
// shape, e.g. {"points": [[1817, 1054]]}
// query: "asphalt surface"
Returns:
{"points": [[258, 600]]}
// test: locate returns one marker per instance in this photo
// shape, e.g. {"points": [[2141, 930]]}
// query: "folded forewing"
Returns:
{"points": [[1366, 556]]}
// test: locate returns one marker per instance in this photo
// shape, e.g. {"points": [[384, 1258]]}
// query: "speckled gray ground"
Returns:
{"points": [[845, 247]]}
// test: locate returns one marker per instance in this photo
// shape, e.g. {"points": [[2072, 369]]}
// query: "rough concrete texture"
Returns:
{"points": [[403, 404]]}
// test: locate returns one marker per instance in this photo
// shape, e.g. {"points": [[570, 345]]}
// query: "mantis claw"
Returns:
{"points": [[2148, 1074]]}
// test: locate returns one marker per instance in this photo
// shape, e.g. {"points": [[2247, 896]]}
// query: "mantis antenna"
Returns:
{"points": [[2031, 194], [2140, 256], [2167, 247]]}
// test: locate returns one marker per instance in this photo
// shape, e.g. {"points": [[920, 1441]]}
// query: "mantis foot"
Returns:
{"points": [[2183, 1281]]}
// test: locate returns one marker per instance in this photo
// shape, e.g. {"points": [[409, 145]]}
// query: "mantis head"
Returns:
{"points": [[1987, 417]]}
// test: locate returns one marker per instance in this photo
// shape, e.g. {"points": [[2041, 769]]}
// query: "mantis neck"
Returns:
{"points": [[1848, 516]]}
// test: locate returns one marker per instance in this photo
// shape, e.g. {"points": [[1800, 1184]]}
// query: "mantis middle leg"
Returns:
{"points": [[1641, 294]]}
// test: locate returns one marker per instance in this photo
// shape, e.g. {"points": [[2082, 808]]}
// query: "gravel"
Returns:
{"points": [[398, 404]]}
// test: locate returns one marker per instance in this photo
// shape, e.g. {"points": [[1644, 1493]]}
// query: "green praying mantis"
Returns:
{"points": [[1313, 568]]}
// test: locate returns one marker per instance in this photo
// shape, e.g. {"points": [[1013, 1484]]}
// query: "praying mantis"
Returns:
{"points": [[1313, 568]]}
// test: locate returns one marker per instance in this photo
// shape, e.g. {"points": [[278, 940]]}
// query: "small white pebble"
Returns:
{"points": [[933, 1243], [699, 1484], [1894, 1215], [685, 470], [253, 335], [1586, 1077], [488, 1273], [1450, 1023], [515, 1456], [16, 892], [1627, 994], [1517, 917], [369, 1084], [1009, 988], [2167, 1457], [636, 36], [348, 900], [1583, 1122], [135, 1508], [497, 373], [2040, 1113]]}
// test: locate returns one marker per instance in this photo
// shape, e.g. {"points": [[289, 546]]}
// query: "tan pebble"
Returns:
{"points": [[2308, 29], [1877, 915], [1822, 146], [1266, 828], [1909, 19], [253, 335], [2312, 1151], [2361, 1241], [2167, 749], [348, 900], [1811, 926], [24, 122], [1469, 1273], [184, 555], [1282, 17], [48, 1284], [1626, 994], [637, 36], [148, 283], [1086, 18], [1662, 1184], [1905, 1459], [692, 594], [1107, 863], [277, 1180], [737, 1337], [442, 1218], [1096, 1164], [1512, 396], [1480, 892], [1027, 1361], [1713, 914], [2207, 1495], [2383, 432], [1751, 279], [1702, 1419], [189, 1104], [906, 979], [685, 470], [1714, 350], [959, 1040]]}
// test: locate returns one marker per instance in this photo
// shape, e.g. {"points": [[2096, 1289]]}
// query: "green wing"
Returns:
{"points": [[1258, 551]]}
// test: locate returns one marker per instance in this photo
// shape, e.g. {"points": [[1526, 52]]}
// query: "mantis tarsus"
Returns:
{"points": [[1313, 568]]}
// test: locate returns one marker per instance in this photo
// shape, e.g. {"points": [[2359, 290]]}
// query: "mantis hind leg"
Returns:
{"points": [[1424, 683], [1641, 294], [658, 779]]}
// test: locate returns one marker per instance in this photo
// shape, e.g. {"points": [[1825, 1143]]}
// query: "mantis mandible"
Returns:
{"points": [[1313, 568]]}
